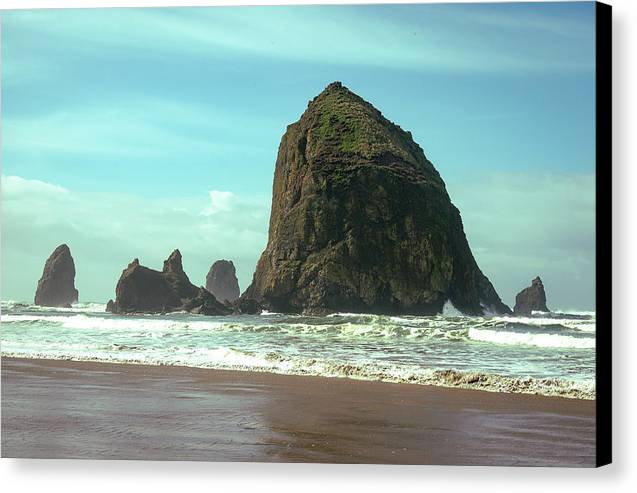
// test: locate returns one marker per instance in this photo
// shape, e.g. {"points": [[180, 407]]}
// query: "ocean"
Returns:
{"points": [[547, 354]]}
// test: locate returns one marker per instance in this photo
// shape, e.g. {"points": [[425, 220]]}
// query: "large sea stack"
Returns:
{"points": [[361, 221], [56, 287], [144, 290], [222, 281], [530, 299]]}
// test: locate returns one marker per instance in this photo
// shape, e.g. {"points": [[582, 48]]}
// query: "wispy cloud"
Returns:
{"points": [[517, 17], [106, 230], [131, 128], [436, 39], [521, 225]]}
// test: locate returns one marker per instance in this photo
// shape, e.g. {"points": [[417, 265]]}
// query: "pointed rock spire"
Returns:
{"points": [[56, 287], [222, 281], [531, 298], [173, 263]]}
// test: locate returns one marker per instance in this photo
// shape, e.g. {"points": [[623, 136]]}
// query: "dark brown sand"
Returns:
{"points": [[63, 409]]}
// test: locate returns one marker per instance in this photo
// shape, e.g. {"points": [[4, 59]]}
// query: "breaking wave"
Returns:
{"points": [[549, 354], [75, 307], [506, 331], [532, 339], [224, 358]]}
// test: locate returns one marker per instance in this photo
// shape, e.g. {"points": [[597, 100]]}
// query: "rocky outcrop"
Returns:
{"points": [[222, 281], [144, 290], [245, 306], [56, 287], [110, 306], [530, 299], [361, 221]]}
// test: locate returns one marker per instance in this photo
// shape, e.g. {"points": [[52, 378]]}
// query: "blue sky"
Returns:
{"points": [[129, 132]]}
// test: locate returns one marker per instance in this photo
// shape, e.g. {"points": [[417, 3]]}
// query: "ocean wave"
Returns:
{"points": [[503, 330], [583, 323], [225, 358], [289, 327], [428, 350], [543, 340], [9, 306], [566, 313]]}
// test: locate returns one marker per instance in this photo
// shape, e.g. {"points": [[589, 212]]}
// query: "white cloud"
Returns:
{"points": [[105, 231], [520, 225], [15, 187], [219, 201]]}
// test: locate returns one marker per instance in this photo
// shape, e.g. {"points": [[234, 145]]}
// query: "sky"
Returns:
{"points": [[130, 132]]}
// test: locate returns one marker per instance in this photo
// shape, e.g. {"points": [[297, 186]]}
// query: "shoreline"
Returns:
{"points": [[62, 408], [449, 379]]}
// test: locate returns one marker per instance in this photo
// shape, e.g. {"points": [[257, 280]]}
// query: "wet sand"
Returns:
{"points": [[65, 409]]}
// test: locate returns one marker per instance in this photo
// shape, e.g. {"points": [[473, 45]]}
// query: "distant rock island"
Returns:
{"points": [[532, 298], [56, 287], [144, 290], [361, 221], [222, 281]]}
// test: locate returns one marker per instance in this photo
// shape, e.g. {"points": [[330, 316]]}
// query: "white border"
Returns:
{"points": [[49, 476]]}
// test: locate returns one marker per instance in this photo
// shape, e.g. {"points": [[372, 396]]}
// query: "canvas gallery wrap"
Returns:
{"points": [[342, 234]]}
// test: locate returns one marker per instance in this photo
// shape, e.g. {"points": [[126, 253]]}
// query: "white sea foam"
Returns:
{"points": [[488, 312], [225, 358], [84, 322], [448, 310], [582, 313], [348, 314], [376, 326], [585, 325], [531, 339], [485, 353], [75, 307]]}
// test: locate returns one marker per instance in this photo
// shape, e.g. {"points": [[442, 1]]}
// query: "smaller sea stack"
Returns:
{"points": [[532, 298], [56, 287], [144, 290], [222, 281]]}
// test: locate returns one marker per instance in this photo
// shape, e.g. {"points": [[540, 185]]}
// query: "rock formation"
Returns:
{"points": [[110, 306], [222, 281], [144, 290], [361, 221], [56, 287], [532, 298], [245, 306]]}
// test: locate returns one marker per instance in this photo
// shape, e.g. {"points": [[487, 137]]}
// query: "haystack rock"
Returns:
{"points": [[530, 299], [56, 287], [222, 281], [361, 221], [144, 290]]}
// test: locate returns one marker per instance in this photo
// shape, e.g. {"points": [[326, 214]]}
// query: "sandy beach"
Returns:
{"points": [[67, 409]]}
